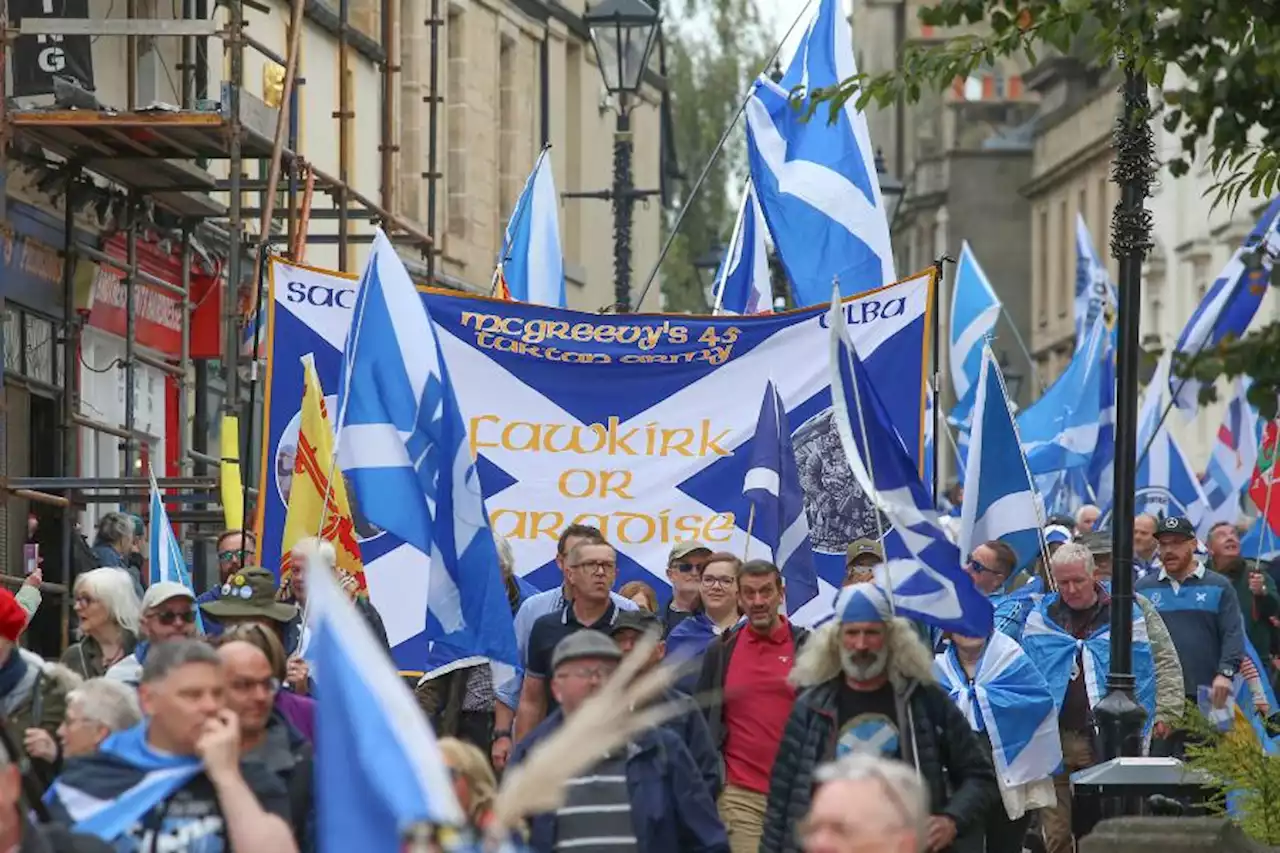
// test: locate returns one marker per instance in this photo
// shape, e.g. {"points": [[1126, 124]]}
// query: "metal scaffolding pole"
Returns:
{"points": [[130, 330], [433, 114], [235, 166], [390, 68], [184, 358], [344, 116]]}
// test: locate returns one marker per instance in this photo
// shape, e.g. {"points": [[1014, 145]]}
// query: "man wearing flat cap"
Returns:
{"points": [[646, 797]]}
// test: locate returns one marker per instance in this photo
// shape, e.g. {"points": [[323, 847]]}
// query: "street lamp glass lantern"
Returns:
{"points": [[622, 33]]}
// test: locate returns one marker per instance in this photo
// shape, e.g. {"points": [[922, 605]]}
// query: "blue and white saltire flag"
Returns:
{"points": [[1102, 467], [1165, 483], [1259, 542], [1060, 430], [816, 179], [163, 551], [1231, 461], [1010, 701], [778, 519], [1095, 292], [930, 427], [1000, 500], [742, 284], [383, 771], [403, 446], [923, 569], [1054, 651], [975, 308], [532, 260], [1229, 306]]}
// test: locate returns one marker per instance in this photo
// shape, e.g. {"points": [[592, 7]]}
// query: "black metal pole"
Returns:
{"points": [[1119, 716], [623, 202]]}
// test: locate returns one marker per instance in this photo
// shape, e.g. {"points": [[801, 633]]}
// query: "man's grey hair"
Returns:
{"points": [[318, 551], [115, 529], [165, 657], [1081, 511], [113, 704], [1070, 554], [903, 788], [506, 557], [114, 588]]}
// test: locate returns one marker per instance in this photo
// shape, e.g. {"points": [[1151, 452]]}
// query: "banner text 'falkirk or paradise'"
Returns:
{"points": [[610, 438], [627, 528]]}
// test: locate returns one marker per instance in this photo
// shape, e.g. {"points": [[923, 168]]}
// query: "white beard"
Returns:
{"points": [[860, 670]]}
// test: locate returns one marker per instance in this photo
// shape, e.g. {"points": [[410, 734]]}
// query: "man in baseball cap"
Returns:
{"points": [[168, 612], [684, 570], [861, 558]]}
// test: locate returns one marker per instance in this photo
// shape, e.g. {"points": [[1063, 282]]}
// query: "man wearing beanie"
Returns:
{"points": [[869, 687], [31, 697]]}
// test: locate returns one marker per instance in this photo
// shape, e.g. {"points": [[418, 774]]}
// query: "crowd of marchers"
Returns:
{"points": [[857, 734]]}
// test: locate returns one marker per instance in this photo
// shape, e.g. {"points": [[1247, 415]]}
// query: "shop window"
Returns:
{"points": [[39, 349], [12, 341]]}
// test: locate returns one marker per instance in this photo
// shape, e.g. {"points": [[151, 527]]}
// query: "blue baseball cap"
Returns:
{"points": [[1056, 534]]}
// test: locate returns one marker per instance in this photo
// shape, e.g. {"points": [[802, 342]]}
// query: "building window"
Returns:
{"points": [[30, 348], [1082, 204], [1041, 251], [456, 110], [411, 162], [1200, 276], [1062, 278], [508, 134]]}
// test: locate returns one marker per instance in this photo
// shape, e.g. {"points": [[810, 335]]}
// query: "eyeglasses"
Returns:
{"points": [[84, 600], [168, 617], [717, 583], [592, 673], [597, 567], [244, 685]]}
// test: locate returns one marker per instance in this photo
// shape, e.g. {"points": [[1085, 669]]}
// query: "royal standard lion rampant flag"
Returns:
{"points": [[312, 470]]}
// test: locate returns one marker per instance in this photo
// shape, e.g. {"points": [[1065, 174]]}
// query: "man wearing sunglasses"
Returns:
{"points": [[168, 612], [684, 570]]}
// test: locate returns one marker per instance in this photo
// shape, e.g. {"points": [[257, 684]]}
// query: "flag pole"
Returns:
{"points": [[751, 520]]}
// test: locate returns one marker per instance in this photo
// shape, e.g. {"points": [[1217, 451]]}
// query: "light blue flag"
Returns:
{"points": [[1060, 430], [816, 179], [1232, 459], [1063, 491], [1095, 292], [975, 308], [772, 485], [1010, 701], [1165, 483], [923, 566], [403, 446], [742, 284], [1000, 501], [1260, 542], [1102, 467], [532, 261], [1054, 652], [1229, 306], [163, 553], [382, 770]]}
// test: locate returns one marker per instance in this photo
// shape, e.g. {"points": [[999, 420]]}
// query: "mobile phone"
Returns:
{"points": [[31, 557]]}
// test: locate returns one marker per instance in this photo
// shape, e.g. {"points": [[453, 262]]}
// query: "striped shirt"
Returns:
{"points": [[596, 815]]}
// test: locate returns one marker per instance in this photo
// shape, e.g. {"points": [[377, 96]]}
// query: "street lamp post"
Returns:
{"points": [[622, 34]]}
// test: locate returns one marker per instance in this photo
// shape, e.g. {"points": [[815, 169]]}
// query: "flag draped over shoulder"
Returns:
{"points": [[1010, 701], [315, 478]]}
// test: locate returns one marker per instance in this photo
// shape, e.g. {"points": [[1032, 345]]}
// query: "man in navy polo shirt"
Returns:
{"points": [[1200, 609]]}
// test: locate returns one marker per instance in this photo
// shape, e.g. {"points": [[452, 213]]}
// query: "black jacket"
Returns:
{"points": [[52, 838], [715, 667], [956, 768], [691, 728], [289, 756]]}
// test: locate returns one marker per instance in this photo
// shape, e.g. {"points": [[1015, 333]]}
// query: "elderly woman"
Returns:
{"points": [[109, 612], [113, 545], [95, 709]]}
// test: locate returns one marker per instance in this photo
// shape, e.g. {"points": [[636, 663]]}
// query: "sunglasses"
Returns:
{"points": [[228, 556], [167, 617], [684, 568]]}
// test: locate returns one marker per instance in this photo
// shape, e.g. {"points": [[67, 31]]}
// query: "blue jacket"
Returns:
{"points": [[671, 809], [693, 732]]}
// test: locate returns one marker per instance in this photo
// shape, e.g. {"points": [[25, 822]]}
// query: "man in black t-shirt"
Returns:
{"points": [[176, 781]]}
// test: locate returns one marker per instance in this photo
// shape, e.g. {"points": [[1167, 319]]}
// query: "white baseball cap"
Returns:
{"points": [[159, 593]]}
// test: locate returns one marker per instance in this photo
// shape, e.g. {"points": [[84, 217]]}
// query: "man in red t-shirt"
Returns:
{"points": [[747, 667]]}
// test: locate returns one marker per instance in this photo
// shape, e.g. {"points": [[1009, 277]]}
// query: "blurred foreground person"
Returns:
{"points": [[176, 781], [864, 804], [473, 781], [95, 709], [17, 833]]}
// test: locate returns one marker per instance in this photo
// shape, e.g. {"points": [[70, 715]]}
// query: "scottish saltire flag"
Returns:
{"points": [[1165, 483], [1063, 492], [383, 770], [1259, 542], [1228, 307], [1060, 430], [742, 284], [1010, 701], [778, 519], [531, 267], [1054, 651], [1102, 467], [1231, 461], [923, 568], [163, 552], [1000, 500], [930, 427], [816, 179], [975, 308], [1095, 293], [403, 446]]}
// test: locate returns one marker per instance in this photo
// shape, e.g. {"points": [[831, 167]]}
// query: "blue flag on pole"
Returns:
{"points": [[163, 551], [923, 566], [1165, 483], [1060, 430], [975, 308], [743, 284], [532, 260], [403, 446], [1095, 293], [772, 485], [816, 179], [382, 770], [1000, 501]]}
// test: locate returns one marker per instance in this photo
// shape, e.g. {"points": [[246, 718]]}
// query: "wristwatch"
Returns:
{"points": [[1227, 672], [498, 734]]}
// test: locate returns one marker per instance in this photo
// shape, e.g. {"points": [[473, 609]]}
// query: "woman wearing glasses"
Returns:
{"points": [[107, 607], [168, 612]]}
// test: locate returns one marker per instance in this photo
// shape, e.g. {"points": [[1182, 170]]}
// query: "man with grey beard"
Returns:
{"points": [[869, 688]]}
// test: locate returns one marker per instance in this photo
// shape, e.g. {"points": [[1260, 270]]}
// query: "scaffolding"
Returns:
{"points": [[154, 163]]}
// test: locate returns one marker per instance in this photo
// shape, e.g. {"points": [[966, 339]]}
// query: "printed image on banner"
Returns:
{"points": [[640, 425]]}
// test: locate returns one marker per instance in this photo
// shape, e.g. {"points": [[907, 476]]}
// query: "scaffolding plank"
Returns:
{"points": [[33, 26], [95, 118]]}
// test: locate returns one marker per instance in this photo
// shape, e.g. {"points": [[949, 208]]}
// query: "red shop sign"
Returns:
{"points": [[157, 313]]}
